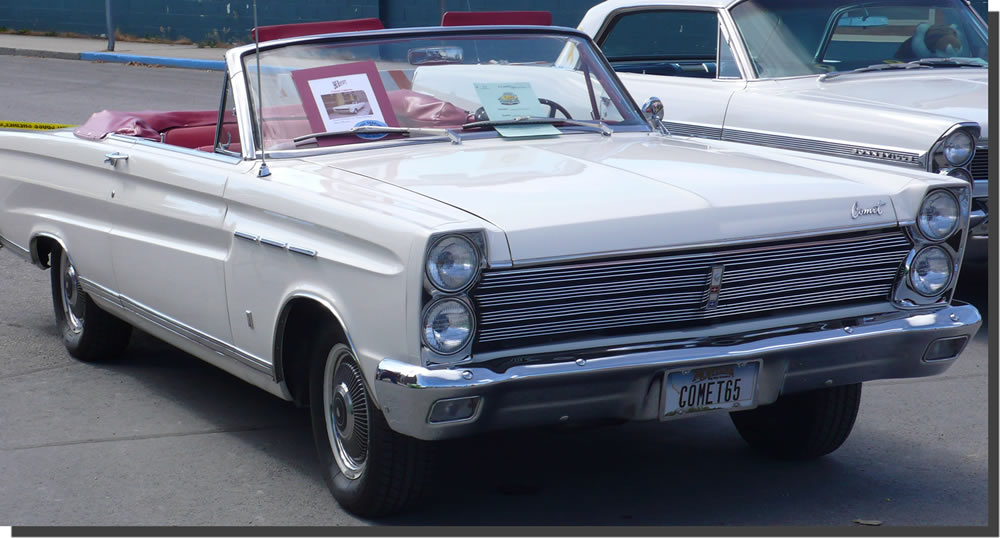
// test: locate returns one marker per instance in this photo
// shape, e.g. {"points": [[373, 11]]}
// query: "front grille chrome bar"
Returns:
{"points": [[525, 306]]}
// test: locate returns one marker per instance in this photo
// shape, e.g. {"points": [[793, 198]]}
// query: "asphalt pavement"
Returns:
{"points": [[161, 438]]}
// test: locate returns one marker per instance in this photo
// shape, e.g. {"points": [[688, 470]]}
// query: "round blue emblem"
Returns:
{"points": [[371, 136]]}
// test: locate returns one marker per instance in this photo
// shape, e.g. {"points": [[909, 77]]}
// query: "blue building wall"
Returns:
{"points": [[230, 21]]}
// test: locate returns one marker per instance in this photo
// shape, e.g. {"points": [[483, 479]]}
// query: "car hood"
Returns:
{"points": [[583, 194], [955, 95]]}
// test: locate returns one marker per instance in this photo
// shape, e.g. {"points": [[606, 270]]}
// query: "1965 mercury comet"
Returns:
{"points": [[500, 241], [902, 82]]}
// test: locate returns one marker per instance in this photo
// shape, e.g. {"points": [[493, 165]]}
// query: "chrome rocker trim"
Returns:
{"points": [[15, 248], [625, 383], [175, 327]]}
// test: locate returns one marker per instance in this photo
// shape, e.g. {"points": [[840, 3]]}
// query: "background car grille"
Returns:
{"points": [[635, 294], [980, 165]]}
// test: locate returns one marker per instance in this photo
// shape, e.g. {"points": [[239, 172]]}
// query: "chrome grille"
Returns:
{"points": [[980, 165], [655, 292]]}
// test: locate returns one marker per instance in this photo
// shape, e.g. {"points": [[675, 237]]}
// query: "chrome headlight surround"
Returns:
{"points": [[437, 291], [943, 199], [429, 327], [905, 293], [450, 247], [947, 152]]}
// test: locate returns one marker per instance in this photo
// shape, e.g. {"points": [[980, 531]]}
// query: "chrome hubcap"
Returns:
{"points": [[72, 295], [345, 400]]}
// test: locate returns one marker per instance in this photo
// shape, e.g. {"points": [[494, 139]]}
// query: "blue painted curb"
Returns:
{"points": [[186, 63]]}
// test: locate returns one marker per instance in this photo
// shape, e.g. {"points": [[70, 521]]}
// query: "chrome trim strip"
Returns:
{"points": [[827, 147], [249, 237], [529, 262], [303, 251], [693, 130], [173, 326], [15, 248], [93, 288], [273, 243]]}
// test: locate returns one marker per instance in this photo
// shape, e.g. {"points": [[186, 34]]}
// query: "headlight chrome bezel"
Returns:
{"points": [[433, 293], [937, 159], [958, 133], [476, 254], [433, 305], [913, 261], [920, 214], [905, 295]]}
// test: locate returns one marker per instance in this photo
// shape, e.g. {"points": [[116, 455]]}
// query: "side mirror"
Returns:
{"points": [[652, 110]]}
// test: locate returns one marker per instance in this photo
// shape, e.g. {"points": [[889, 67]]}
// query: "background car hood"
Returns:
{"points": [[584, 194], [954, 94]]}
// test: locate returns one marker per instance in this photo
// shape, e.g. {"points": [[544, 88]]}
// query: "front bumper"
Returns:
{"points": [[625, 383]]}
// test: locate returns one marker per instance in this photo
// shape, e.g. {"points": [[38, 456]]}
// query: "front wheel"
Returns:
{"points": [[805, 425], [89, 333], [370, 469]]}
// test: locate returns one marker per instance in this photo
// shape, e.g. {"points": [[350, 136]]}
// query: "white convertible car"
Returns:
{"points": [[895, 81], [510, 242]]}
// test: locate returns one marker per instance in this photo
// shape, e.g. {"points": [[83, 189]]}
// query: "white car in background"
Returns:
{"points": [[893, 81]]}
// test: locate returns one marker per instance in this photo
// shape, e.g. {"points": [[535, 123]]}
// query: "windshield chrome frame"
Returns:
{"points": [[753, 74], [241, 87]]}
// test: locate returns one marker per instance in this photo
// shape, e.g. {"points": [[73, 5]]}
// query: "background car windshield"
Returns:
{"points": [[793, 37], [429, 82]]}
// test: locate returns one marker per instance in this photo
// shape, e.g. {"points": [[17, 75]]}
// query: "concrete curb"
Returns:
{"points": [[184, 63], [114, 57], [7, 51]]}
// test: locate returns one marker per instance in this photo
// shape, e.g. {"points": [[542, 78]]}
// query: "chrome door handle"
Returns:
{"points": [[113, 158]]}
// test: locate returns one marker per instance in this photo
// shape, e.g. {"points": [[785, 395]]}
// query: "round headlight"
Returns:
{"points": [[958, 147], [939, 214], [448, 325], [452, 263], [931, 271], [960, 173]]}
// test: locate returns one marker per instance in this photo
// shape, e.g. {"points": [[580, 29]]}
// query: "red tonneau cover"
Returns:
{"points": [[484, 18], [144, 124], [281, 31]]}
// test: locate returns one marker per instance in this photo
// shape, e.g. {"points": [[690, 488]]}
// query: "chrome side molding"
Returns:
{"points": [[175, 327]]}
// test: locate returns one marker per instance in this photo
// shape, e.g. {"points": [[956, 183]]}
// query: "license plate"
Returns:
{"points": [[726, 386]]}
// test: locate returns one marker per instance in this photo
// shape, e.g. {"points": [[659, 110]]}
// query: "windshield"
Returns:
{"points": [[426, 84], [794, 37]]}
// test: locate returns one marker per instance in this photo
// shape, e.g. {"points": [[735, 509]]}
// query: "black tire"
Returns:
{"points": [[377, 474], [801, 426], [89, 333]]}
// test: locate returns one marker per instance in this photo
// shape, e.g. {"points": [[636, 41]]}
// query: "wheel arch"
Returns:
{"points": [[40, 248], [302, 315]]}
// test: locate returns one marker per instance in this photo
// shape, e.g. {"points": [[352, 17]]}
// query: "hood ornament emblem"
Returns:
{"points": [[858, 211]]}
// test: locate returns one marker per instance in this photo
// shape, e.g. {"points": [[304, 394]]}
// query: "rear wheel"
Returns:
{"points": [[805, 425], [370, 469], [89, 333]]}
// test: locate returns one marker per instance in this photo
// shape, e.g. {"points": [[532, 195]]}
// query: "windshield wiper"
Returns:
{"points": [[923, 63], [383, 129], [950, 62], [536, 120]]}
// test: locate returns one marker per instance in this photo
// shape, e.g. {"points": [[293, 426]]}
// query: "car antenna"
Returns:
{"points": [[264, 170]]}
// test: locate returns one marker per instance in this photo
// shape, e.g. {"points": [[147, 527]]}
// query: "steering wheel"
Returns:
{"points": [[554, 107]]}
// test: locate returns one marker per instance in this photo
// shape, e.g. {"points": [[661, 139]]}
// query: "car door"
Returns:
{"points": [[682, 56], [61, 187], [168, 242]]}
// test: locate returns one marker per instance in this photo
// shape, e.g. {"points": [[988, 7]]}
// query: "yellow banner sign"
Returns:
{"points": [[32, 125]]}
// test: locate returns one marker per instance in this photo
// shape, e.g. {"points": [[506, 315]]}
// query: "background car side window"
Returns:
{"points": [[664, 42]]}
